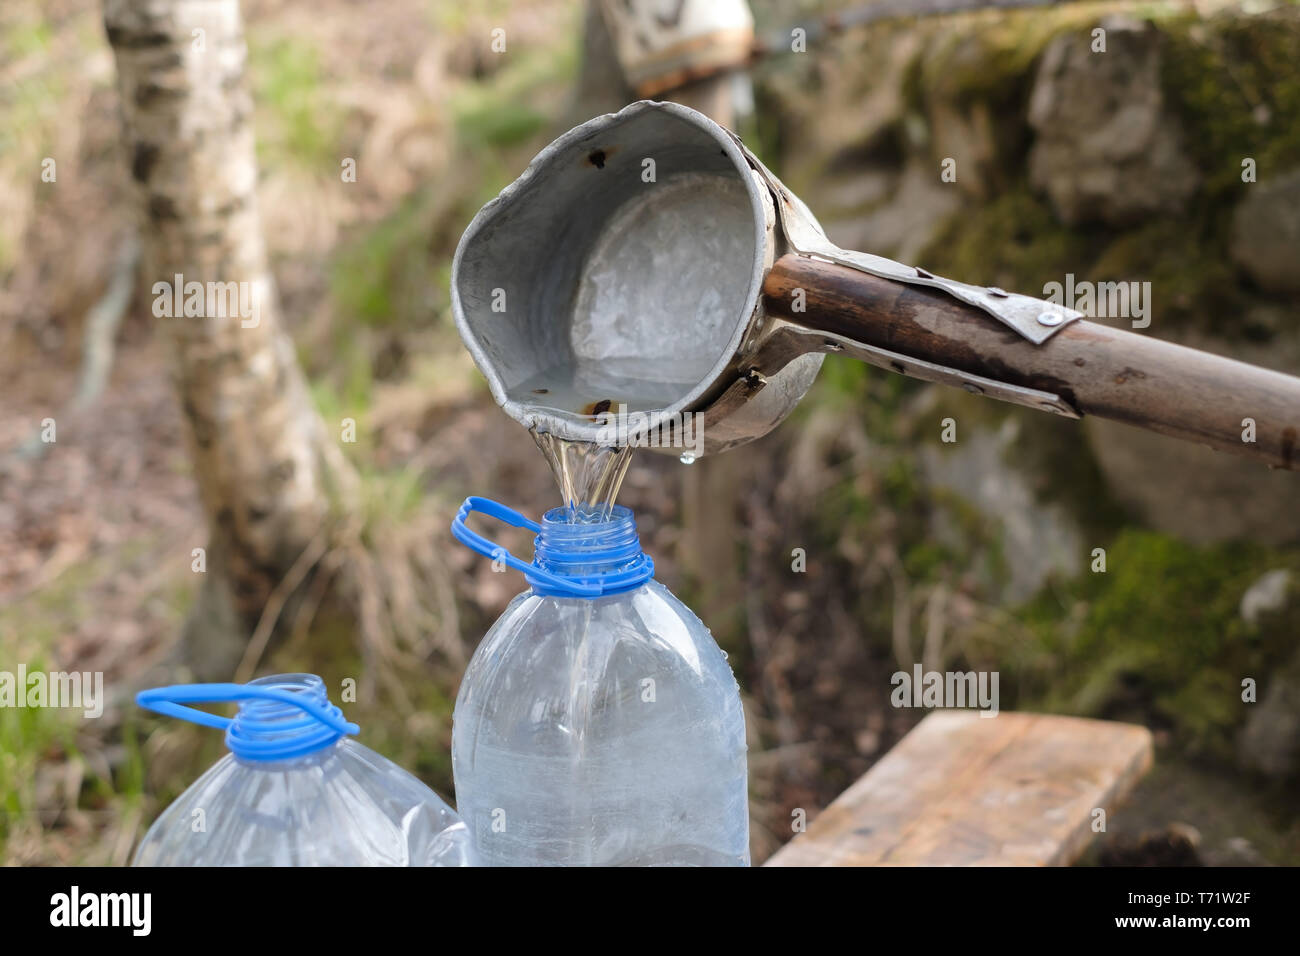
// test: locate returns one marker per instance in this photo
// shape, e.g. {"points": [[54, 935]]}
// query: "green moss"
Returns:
{"points": [[1014, 241], [1193, 282], [1232, 80], [993, 61], [1157, 638]]}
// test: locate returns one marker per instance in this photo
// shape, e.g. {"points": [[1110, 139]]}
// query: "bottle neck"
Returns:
{"points": [[274, 731], [588, 549]]}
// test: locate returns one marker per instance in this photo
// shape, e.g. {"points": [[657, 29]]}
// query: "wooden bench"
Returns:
{"points": [[962, 790]]}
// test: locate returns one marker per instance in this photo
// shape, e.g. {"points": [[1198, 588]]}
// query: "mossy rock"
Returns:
{"points": [[1233, 82], [1157, 638]]}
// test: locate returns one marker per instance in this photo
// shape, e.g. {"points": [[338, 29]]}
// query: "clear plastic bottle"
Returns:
{"points": [[598, 722], [294, 791]]}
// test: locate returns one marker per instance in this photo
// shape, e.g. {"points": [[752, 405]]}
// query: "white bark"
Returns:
{"points": [[268, 472]]}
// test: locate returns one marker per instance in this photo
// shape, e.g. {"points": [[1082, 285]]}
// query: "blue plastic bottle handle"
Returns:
{"points": [[490, 549], [253, 739]]}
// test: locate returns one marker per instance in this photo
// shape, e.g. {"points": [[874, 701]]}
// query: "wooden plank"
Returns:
{"points": [[962, 790]]}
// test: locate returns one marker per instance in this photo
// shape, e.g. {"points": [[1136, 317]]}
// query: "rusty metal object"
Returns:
{"points": [[648, 258], [672, 268]]}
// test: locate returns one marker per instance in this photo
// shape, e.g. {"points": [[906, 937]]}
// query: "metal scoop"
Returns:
{"points": [[647, 261]]}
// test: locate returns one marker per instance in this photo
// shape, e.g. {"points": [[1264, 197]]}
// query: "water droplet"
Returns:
{"points": [[688, 458]]}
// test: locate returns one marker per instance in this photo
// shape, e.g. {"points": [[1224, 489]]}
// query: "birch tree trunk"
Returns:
{"points": [[269, 474]]}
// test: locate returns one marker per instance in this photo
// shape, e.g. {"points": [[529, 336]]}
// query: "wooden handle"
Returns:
{"points": [[1110, 373]]}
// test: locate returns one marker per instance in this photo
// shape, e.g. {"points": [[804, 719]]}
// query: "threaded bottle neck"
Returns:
{"points": [[591, 549], [272, 729]]}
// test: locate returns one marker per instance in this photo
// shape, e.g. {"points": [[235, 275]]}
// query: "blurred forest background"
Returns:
{"points": [[976, 554]]}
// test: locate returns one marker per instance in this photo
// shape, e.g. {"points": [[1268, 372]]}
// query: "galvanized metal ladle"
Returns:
{"points": [[646, 258]]}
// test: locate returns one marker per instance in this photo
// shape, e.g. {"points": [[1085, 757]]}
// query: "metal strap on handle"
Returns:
{"points": [[1034, 319], [172, 701]]}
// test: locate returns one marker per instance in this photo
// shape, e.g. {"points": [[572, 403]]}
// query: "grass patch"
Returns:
{"points": [[287, 78], [505, 109], [43, 748], [384, 276]]}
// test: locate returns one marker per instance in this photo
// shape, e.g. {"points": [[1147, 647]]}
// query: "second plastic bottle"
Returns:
{"points": [[598, 722], [295, 790]]}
